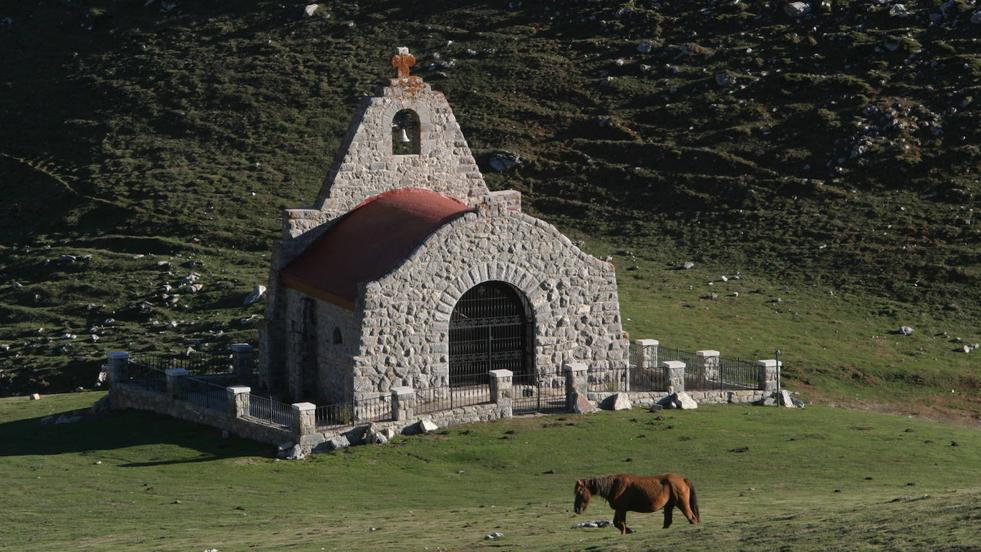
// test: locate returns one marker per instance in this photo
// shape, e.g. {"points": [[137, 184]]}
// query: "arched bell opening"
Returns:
{"points": [[406, 133], [491, 328]]}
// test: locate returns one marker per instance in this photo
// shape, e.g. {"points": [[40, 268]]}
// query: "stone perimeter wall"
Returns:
{"points": [[647, 399], [126, 396], [446, 418], [406, 314], [305, 433]]}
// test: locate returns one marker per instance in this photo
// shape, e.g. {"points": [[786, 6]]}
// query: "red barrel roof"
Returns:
{"points": [[369, 242]]}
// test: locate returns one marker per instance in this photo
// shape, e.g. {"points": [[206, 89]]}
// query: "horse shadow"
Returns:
{"points": [[112, 435]]}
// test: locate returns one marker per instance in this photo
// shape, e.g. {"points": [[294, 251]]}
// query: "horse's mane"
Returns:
{"points": [[601, 485]]}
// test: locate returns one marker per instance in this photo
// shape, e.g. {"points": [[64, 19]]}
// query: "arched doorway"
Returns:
{"points": [[490, 329]]}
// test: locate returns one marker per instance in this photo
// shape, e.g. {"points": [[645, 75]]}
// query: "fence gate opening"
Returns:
{"points": [[489, 330]]}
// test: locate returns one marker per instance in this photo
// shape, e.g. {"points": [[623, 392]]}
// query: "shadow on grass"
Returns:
{"points": [[121, 430]]}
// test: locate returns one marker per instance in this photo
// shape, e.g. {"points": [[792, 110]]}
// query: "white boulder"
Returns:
{"points": [[797, 9], [256, 294], [427, 426]]}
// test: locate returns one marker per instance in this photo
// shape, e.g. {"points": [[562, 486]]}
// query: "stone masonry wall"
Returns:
{"points": [[647, 398], [334, 362], [366, 165], [406, 314]]}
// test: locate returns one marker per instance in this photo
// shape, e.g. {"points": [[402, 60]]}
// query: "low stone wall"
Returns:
{"points": [[647, 399], [355, 433], [127, 396], [303, 434]]}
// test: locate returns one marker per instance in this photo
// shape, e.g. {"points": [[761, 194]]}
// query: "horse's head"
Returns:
{"points": [[582, 496]]}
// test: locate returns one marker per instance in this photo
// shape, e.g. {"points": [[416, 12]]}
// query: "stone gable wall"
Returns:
{"points": [[367, 166], [406, 313]]}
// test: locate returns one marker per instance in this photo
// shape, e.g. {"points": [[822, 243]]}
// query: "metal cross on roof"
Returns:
{"points": [[403, 62]]}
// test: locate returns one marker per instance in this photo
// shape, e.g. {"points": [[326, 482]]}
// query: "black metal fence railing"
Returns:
{"points": [[271, 411], [668, 353], [547, 394], [198, 364], [723, 374], [371, 409], [201, 393], [145, 376], [607, 380], [730, 374], [434, 399]]}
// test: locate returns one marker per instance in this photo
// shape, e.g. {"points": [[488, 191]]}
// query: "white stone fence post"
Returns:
{"points": [[576, 382], [707, 365], [238, 401], [674, 375], [403, 403], [769, 374], [501, 391], [304, 419], [645, 353], [173, 380], [643, 360]]}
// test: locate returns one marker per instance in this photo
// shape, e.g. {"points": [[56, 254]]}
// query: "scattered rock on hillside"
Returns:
{"points": [[906, 330], [687, 265], [680, 400], [296, 453], [375, 438], [592, 524], [686, 402], [645, 47], [785, 399], [619, 401], [976, 17], [256, 294], [503, 161], [311, 9], [35, 396], [493, 536], [797, 9], [426, 426], [899, 10]]}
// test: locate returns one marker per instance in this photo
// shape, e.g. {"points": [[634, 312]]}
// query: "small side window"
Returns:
{"points": [[338, 338]]}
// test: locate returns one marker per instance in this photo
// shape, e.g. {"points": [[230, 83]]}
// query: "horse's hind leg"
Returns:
{"points": [[682, 503], [668, 510]]}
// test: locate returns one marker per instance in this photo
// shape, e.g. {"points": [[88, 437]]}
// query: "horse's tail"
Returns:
{"points": [[693, 500]]}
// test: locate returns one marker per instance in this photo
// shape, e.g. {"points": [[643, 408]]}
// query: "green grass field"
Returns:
{"points": [[768, 479]]}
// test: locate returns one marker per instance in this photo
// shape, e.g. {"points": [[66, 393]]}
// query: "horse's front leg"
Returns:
{"points": [[620, 522]]}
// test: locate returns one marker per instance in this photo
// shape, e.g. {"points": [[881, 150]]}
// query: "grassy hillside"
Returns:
{"points": [[767, 479], [833, 159]]}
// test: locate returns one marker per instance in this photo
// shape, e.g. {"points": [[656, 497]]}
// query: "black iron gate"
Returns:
{"points": [[545, 394], [488, 331]]}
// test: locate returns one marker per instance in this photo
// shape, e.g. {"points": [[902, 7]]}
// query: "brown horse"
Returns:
{"points": [[637, 493]]}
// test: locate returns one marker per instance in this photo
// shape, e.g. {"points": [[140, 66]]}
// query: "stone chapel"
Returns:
{"points": [[409, 271]]}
